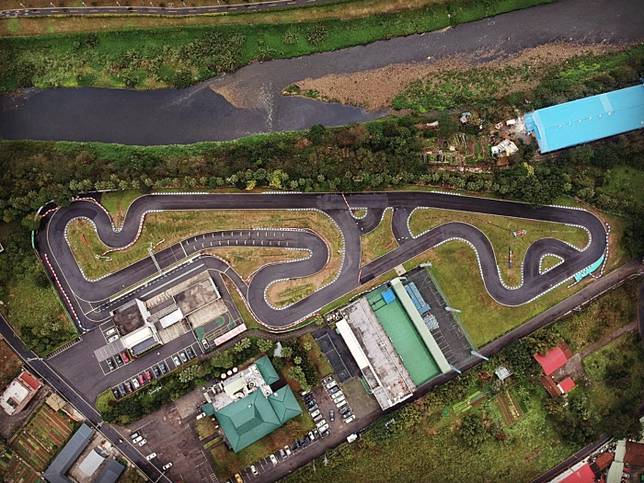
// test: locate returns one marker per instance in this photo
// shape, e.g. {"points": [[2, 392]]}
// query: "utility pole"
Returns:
{"points": [[151, 253]]}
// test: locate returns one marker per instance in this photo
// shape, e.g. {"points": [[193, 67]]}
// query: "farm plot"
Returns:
{"points": [[42, 437]]}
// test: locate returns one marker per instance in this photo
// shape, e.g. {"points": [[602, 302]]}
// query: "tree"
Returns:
{"points": [[297, 374], [472, 431], [297, 360], [265, 345], [287, 351], [242, 345], [189, 374]]}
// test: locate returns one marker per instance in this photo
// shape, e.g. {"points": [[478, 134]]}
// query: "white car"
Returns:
{"points": [[253, 470], [331, 384], [337, 396], [315, 413], [176, 361], [352, 437], [113, 338], [137, 439], [167, 466], [321, 423], [135, 384], [288, 451], [110, 332], [142, 442], [151, 456], [350, 419], [323, 428], [273, 459]]}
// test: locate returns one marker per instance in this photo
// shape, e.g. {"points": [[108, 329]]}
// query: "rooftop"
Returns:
{"points": [[552, 360], [56, 471], [587, 119]]}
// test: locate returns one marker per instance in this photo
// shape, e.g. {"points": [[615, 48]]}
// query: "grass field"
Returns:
{"points": [[499, 230], [37, 314], [117, 202], [379, 241], [42, 437], [247, 260], [626, 182], [316, 356], [549, 262], [183, 54], [240, 303]]}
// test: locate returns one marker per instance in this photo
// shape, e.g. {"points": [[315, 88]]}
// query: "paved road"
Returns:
{"points": [[572, 460], [581, 298], [91, 301], [156, 11], [254, 103], [66, 390]]}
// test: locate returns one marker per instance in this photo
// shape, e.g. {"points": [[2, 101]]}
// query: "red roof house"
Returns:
{"points": [[583, 475], [566, 385], [553, 360], [30, 380]]}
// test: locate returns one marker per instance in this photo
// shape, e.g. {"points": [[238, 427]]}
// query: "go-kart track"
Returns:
{"points": [[89, 302]]}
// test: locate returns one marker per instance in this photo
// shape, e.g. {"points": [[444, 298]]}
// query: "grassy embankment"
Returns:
{"points": [[164, 229], [433, 437], [179, 56], [379, 241], [499, 231]]}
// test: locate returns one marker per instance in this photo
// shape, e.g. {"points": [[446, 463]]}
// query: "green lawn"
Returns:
{"points": [[179, 56], [117, 202], [379, 241]]}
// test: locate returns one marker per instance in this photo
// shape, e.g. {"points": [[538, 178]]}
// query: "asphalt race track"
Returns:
{"points": [[90, 302]]}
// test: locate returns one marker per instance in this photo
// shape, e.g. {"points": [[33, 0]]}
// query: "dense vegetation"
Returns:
{"points": [[463, 419], [490, 88], [180, 56]]}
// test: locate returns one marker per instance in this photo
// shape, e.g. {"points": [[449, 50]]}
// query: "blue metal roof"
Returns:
{"points": [[587, 119]]}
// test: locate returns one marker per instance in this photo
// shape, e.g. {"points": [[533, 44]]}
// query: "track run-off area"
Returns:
{"points": [[90, 301]]}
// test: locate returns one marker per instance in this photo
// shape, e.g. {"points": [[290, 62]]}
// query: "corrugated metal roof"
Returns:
{"points": [[110, 472], [55, 473], [587, 119]]}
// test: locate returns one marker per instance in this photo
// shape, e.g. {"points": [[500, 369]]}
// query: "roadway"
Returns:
{"points": [[90, 301], [183, 11]]}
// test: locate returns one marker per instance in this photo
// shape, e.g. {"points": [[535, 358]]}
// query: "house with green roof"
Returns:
{"points": [[256, 409]]}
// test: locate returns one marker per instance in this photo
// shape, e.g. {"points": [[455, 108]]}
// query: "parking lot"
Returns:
{"points": [[168, 434], [156, 371]]}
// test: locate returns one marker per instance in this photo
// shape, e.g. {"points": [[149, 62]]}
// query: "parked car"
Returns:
{"points": [[125, 357], [137, 439], [352, 437], [337, 396], [151, 456], [163, 368], [331, 415], [110, 332], [176, 361], [308, 396], [128, 386], [333, 390], [204, 343], [142, 442], [183, 357], [119, 360], [253, 470], [167, 466], [342, 404], [135, 384], [323, 429], [141, 379], [311, 436], [116, 393], [339, 401], [331, 384], [273, 459], [324, 434], [122, 391], [113, 338], [288, 451], [320, 423], [147, 375], [317, 418], [191, 354], [315, 413], [110, 364], [312, 404], [350, 419], [238, 478], [282, 453], [346, 409], [134, 435], [156, 371]]}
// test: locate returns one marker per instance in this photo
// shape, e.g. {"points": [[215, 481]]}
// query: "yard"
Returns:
{"points": [[499, 230], [10, 364], [42, 437]]}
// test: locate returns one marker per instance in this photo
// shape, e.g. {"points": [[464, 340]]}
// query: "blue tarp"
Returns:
{"points": [[590, 269], [587, 119], [388, 296]]}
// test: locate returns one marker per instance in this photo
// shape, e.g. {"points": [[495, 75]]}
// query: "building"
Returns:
{"points": [[389, 334], [251, 404], [58, 468], [588, 119], [19, 392], [555, 383]]}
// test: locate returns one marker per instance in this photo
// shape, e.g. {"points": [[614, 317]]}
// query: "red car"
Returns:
{"points": [[125, 357], [147, 376], [141, 379]]}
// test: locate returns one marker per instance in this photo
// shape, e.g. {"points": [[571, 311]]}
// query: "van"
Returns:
{"points": [[352, 437]]}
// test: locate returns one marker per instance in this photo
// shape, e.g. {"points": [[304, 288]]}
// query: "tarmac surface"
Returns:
{"points": [[199, 113], [90, 302]]}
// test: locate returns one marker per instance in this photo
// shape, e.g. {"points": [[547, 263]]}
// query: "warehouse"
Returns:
{"points": [[588, 119]]}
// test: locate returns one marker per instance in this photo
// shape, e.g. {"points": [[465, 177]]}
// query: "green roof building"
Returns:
{"points": [[250, 418]]}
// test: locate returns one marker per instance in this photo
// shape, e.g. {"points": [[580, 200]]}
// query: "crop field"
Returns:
{"points": [[42, 437]]}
